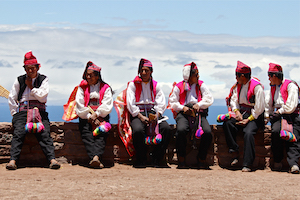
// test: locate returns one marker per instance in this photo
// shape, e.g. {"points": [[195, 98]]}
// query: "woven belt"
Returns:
{"points": [[32, 103]]}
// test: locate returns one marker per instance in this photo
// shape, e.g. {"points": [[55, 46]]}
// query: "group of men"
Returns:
{"points": [[189, 102]]}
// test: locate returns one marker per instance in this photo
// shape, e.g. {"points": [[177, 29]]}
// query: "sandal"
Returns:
{"points": [[54, 165], [11, 166]]}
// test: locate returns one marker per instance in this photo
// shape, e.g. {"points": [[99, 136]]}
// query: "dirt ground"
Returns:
{"points": [[125, 182]]}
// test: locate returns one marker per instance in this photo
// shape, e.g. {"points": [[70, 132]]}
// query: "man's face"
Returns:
{"points": [[272, 79], [91, 77], [240, 79], [31, 70], [145, 74]]}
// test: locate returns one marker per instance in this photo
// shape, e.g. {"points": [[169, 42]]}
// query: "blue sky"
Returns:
{"points": [[65, 35], [244, 18]]}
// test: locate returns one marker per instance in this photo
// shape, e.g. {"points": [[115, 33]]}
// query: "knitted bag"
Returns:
{"points": [[34, 121]]}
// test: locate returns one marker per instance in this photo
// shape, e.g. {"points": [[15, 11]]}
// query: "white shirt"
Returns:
{"points": [[284, 108], [258, 106], [191, 97], [39, 94], [145, 98], [102, 111]]}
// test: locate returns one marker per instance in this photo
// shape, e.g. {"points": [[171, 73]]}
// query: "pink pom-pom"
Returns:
{"points": [[149, 140], [199, 133], [34, 127], [103, 128]]}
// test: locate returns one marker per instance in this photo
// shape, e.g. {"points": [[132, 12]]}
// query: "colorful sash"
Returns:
{"points": [[70, 107], [124, 129]]}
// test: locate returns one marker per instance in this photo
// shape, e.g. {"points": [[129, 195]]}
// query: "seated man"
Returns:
{"points": [[247, 101], [28, 91], [188, 99], [283, 106], [93, 93], [144, 96]]}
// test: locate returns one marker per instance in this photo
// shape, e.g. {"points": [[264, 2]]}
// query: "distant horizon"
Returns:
{"points": [[56, 113]]}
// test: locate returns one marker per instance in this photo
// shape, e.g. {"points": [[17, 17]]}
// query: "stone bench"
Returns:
{"points": [[69, 147]]}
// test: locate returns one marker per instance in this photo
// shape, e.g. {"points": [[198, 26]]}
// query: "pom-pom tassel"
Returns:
{"points": [[149, 140], [199, 133], [34, 127], [225, 117], [288, 136], [104, 127]]}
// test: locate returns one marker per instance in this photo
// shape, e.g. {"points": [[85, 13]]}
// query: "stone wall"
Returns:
{"points": [[69, 147]]}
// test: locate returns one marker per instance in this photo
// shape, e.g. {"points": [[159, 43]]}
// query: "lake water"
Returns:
{"points": [[56, 113]]}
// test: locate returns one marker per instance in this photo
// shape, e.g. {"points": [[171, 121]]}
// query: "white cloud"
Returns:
{"points": [[63, 53]]}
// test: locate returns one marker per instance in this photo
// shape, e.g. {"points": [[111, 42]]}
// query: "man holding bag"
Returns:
{"points": [[30, 91]]}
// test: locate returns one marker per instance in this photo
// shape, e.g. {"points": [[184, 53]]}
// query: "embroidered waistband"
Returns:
{"points": [[145, 107], [32, 103]]}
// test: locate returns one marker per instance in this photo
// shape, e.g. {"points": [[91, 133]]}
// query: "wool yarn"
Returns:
{"points": [[288, 136], [199, 133], [225, 117], [149, 140], [34, 127], [104, 127]]}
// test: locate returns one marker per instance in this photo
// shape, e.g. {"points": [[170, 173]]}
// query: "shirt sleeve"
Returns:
{"points": [[82, 111], [42, 92], [234, 104], [174, 100], [130, 100], [259, 106], [292, 100], [160, 100], [268, 106], [106, 104], [13, 97], [207, 98]]}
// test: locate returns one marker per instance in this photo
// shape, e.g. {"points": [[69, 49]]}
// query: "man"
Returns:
{"points": [[28, 91], [144, 96], [188, 97], [283, 106], [93, 93], [247, 101]]}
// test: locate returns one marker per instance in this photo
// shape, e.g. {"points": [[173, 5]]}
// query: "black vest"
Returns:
{"points": [[37, 83]]}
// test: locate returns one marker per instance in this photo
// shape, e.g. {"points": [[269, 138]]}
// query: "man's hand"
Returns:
{"points": [[244, 122], [238, 116], [143, 118], [28, 82], [94, 120], [196, 107], [185, 109], [275, 116]]}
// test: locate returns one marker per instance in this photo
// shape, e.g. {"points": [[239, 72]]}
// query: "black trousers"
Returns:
{"points": [[94, 146], [139, 133], [277, 144], [231, 130], [19, 120], [183, 128]]}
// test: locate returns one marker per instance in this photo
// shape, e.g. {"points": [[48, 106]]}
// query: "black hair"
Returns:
{"points": [[277, 74], [247, 75], [193, 71]]}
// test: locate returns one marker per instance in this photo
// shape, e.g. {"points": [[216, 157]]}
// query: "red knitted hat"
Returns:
{"points": [[242, 68], [30, 59], [92, 66], [145, 63], [274, 68]]}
